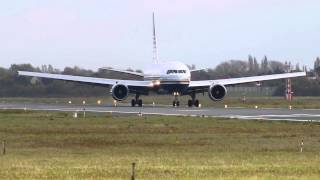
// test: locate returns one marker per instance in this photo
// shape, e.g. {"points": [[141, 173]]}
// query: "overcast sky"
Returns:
{"points": [[97, 33]]}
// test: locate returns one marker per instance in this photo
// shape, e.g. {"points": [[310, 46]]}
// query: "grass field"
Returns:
{"points": [[267, 102], [52, 145]]}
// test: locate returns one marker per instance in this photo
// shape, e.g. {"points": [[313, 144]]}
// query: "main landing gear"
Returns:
{"points": [[136, 101], [193, 101]]}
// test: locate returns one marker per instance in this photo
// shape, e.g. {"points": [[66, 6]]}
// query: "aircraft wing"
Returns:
{"points": [[232, 81], [87, 80]]}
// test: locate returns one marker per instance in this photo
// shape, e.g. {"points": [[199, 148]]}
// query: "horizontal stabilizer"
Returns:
{"points": [[197, 70], [124, 71]]}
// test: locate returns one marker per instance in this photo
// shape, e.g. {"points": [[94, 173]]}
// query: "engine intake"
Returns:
{"points": [[217, 92], [119, 92]]}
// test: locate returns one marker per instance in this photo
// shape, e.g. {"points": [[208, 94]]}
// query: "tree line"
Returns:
{"points": [[12, 85]]}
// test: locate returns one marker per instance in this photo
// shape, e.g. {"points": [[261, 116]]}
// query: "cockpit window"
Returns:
{"points": [[176, 71]]}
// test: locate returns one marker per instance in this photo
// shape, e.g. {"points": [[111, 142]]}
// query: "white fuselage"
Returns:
{"points": [[172, 76], [168, 72]]}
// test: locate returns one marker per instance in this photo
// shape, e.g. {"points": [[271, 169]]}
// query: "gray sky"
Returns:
{"points": [[98, 33]]}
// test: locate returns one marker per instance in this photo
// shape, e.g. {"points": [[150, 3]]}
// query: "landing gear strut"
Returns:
{"points": [[176, 102], [136, 101], [193, 101]]}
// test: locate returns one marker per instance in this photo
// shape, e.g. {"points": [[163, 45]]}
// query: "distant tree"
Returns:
{"points": [[48, 69], [317, 63], [276, 67], [251, 64], [51, 69], [22, 67], [265, 65], [232, 68], [44, 68], [255, 65], [77, 71], [297, 67], [317, 67], [304, 68]]}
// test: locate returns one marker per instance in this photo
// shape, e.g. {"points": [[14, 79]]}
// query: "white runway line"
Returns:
{"points": [[282, 115], [192, 110], [286, 117], [269, 117]]}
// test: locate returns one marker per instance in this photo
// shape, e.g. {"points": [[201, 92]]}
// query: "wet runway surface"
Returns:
{"points": [[239, 113]]}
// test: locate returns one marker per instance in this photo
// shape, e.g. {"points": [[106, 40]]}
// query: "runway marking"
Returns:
{"points": [[193, 110], [286, 115], [269, 117], [265, 117]]}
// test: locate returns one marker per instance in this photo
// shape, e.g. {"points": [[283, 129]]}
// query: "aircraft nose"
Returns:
{"points": [[175, 77]]}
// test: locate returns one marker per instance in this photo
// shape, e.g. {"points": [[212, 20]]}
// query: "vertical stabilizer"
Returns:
{"points": [[155, 50]]}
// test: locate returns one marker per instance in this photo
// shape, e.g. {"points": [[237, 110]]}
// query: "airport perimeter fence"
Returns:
{"points": [[251, 91]]}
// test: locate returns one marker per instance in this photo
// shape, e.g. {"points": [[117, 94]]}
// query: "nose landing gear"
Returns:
{"points": [[176, 102]]}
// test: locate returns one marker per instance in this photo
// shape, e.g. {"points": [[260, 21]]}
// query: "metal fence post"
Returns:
{"points": [[4, 147], [133, 171], [301, 146]]}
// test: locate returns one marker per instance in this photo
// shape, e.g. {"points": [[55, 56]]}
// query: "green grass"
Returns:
{"points": [[52, 145]]}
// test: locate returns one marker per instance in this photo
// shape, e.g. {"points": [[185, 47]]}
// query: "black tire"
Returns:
{"points": [[140, 103], [133, 103], [196, 103], [174, 104], [190, 103], [178, 103]]}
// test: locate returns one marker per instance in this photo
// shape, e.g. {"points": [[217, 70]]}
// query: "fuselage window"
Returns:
{"points": [[176, 71]]}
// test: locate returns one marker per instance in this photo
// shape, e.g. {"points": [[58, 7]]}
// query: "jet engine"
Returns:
{"points": [[119, 92], [217, 92]]}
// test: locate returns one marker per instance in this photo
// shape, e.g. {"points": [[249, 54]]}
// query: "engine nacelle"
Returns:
{"points": [[217, 92], [119, 92]]}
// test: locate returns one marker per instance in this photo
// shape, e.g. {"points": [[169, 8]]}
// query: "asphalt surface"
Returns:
{"points": [[239, 113]]}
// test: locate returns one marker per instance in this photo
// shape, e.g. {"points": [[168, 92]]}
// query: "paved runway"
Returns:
{"points": [[240, 113]]}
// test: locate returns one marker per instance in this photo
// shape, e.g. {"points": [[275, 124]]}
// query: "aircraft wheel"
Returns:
{"points": [[190, 103], [174, 103], [140, 103], [133, 102], [196, 103], [178, 103]]}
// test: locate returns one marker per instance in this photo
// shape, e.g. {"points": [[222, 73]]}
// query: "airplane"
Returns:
{"points": [[171, 77]]}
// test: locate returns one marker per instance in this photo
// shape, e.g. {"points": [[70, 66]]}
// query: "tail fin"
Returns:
{"points": [[155, 50]]}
